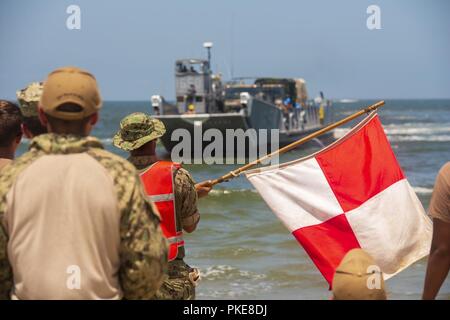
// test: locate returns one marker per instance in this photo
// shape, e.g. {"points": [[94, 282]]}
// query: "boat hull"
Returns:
{"points": [[198, 131]]}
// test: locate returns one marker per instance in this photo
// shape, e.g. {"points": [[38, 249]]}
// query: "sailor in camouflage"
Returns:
{"points": [[138, 134], [68, 202], [28, 99]]}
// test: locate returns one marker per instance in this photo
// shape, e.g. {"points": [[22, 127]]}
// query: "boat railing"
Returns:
{"points": [[305, 118]]}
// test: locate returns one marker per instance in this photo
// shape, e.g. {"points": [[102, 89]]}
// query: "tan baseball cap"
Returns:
{"points": [[358, 278], [70, 85]]}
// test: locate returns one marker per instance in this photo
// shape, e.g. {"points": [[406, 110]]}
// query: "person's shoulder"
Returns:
{"points": [[111, 161], [445, 169], [444, 173], [13, 169], [183, 177], [122, 172]]}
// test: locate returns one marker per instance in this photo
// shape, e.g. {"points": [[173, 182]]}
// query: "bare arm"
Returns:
{"points": [[439, 259], [203, 188]]}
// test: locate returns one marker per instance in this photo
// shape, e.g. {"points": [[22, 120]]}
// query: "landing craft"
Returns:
{"points": [[204, 101]]}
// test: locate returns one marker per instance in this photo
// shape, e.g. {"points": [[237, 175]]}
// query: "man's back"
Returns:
{"points": [[77, 224]]}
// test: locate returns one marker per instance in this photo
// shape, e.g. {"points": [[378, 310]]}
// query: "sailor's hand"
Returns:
{"points": [[194, 276], [203, 188]]}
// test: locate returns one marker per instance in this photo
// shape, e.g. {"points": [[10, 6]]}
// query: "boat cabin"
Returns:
{"points": [[193, 85]]}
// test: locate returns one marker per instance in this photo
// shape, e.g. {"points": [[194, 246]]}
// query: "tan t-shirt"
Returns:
{"points": [[440, 200], [4, 162]]}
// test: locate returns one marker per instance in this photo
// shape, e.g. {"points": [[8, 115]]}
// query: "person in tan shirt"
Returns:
{"points": [[10, 132], [74, 220], [439, 260]]}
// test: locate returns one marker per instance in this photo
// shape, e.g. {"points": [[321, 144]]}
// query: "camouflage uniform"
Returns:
{"points": [[136, 130], [143, 249]]}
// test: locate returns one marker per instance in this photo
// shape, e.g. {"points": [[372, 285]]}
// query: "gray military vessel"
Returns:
{"points": [[204, 102]]}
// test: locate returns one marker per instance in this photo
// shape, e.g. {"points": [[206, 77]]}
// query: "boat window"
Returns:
{"points": [[235, 93], [190, 67], [274, 92]]}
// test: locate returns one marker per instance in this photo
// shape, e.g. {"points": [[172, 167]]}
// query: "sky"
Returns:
{"points": [[131, 46]]}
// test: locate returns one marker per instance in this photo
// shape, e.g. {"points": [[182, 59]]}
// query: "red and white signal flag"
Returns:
{"points": [[351, 194]]}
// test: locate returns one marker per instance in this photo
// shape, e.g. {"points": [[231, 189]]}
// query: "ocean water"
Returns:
{"points": [[244, 252]]}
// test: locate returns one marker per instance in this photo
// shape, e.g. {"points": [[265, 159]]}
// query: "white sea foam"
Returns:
{"points": [[219, 192], [340, 132], [235, 282], [422, 190], [416, 129], [235, 290], [228, 272], [417, 138], [409, 132], [106, 140]]}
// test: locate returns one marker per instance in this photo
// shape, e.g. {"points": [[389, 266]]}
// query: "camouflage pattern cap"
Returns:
{"points": [[136, 130], [28, 99]]}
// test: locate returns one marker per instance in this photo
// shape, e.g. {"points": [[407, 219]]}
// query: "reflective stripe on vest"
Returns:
{"points": [[159, 186]]}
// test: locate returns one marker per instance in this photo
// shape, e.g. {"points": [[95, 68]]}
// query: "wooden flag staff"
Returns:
{"points": [[237, 172]]}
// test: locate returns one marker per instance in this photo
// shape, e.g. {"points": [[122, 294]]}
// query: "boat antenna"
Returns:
{"points": [[232, 46], [208, 46]]}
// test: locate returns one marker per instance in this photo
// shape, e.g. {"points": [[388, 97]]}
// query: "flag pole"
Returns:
{"points": [[234, 173]]}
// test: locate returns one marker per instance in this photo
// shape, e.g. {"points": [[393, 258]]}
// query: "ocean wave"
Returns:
{"points": [[226, 272], [422, 190], [219, 192], [416, 129], [340, 132], [106, 140], [231, 282], [348, 100], [417, 138], [408, 132], [403, 117], [235, 290]]}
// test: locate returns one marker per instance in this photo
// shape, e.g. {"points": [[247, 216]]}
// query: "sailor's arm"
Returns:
{"points": [[203, 188], [439, 259], [187, 199], [143, 248], [6, 275]]}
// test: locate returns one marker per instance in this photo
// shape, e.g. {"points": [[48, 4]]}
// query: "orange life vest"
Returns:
{"points": [[159, 186]]}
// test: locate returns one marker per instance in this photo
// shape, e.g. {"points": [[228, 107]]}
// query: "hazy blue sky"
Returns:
{"points": [[131, 45]]}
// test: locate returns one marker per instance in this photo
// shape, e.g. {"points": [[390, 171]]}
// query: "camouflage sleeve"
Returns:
{"points": [[143, 248], [6, 275], [186, 198]]}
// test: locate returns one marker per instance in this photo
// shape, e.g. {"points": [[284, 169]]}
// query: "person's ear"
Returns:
{"points": [[26, 132], [42, 117], [18, 138], [94, 119]]}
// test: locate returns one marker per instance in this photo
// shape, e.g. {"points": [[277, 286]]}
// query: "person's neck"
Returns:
{"points": [[7, 153], [151, 157]]}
